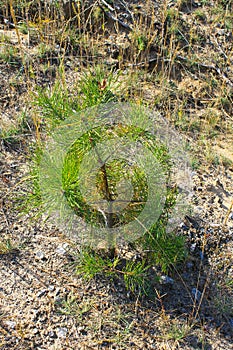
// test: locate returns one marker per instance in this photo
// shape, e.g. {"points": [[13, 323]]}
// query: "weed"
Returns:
{"points": [[136, 277], [199, 14], [23, 27], [177, 331], [71, 305], [9, 55], [10, 135], [54, 104], [163, 249], [91, 264], [229, 283], [6, 247], [96, 87]]}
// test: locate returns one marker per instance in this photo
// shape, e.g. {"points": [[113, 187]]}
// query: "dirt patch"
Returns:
{"points": [[225, 148]]}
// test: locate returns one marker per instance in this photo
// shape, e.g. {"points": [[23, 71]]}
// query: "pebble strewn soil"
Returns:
{"points": [[38, 281]]}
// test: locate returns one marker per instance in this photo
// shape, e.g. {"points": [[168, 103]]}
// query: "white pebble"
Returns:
{"points": [[62, 249], [10, 324], [61, 332], [40, 255], [196, 294], [166, 280]]}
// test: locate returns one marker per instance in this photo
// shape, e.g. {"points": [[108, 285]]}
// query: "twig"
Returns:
{"points": [[127, 9], [108, 217], [208, 66], [107, 5], [228, 214], [115, 19], [4, 215], [220, 49]]}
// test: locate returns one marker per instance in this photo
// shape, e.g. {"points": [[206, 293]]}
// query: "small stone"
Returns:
{"points": [[62, 249], [40, 255], [57, 299], [196, 294], [193, 247], [35, 314], [212, 224], [57, 291], [189, 264], [61, 332], [198, 210], [183, 226], [51, 288], [220, 31], [10, 324], [35, 330], [166, 280], [82, 330], [52, 334], [41, 293]]}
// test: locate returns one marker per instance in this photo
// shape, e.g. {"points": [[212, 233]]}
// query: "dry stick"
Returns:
{"points": [[107, 5], [12, 12], [107, 193], [228, 214], [4, 215], [197, 304], [115, 19], [208, 66], [91, 8], [127, 9], [184, 59]]}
